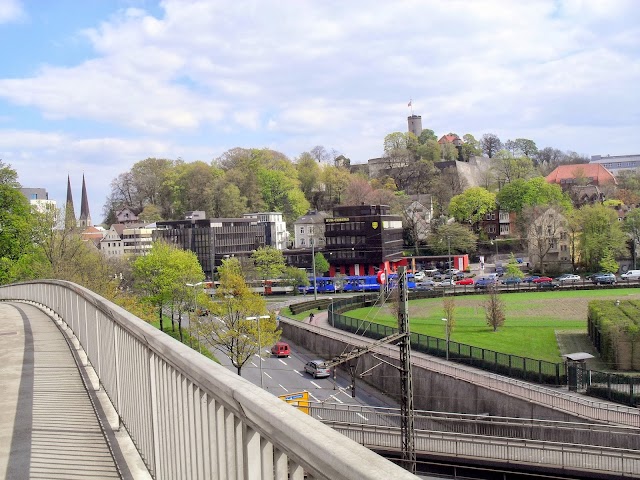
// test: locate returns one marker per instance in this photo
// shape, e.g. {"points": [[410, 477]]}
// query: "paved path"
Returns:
{"points": [[49, 428]]}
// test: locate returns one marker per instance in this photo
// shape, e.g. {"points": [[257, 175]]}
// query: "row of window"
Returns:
{"points": [[352, 240]]}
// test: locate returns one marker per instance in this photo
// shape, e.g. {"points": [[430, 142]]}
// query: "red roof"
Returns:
{"points": [[448, 138], [594, 171]]}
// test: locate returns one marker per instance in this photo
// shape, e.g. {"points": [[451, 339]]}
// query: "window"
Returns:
{"points": [[301, 229]]}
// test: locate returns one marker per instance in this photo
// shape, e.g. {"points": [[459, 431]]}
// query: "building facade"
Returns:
{"points": [[310, 227], [617, 163], [363, 239], [39, 199], [275, 228], [137, 239], [549, 245], [111, 244]]}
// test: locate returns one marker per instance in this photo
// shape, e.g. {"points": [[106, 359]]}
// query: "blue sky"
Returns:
{"points": [[94, 86]]}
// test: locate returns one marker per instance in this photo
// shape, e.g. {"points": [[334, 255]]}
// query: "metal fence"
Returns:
{"points": [[188, 416], [529, 369]]}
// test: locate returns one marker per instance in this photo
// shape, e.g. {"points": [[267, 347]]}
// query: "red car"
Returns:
{"points": [[465, 281], [543, 280]]}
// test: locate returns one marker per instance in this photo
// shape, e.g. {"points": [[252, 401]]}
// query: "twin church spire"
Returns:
{"points": [[84, 220]]}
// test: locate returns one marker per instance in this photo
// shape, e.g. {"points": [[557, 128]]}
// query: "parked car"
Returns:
{"points": [[568, 278], [604, 278], [542, 280], [631, 275], [449, 282], [547, 285], [419, 276], [465, 281], [530, 278], [511, 281], [317, 368], [485, 282], [425, 285]]}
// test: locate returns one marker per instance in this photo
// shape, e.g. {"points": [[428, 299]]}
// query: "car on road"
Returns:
{"points": [[425, 285], [511, 281], [419, 276], [630, 275], [317, 368], [281, 349], [485, 282], [465, 281], [547, 285], [430, 271], [530, 278], [604, 278], [449, 282], [542, 280], [568, 278]]}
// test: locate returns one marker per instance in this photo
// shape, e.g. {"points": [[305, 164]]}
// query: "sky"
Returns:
{"points": [[92, 87]]}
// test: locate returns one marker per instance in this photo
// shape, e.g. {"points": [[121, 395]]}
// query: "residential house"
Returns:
{"points": [[127, 216], [548, 238], [111, 244]]}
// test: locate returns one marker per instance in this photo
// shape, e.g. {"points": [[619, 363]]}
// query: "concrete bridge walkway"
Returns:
{"points": [[55, 423]]}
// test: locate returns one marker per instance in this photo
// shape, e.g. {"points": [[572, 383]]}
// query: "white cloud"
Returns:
{"points": [[10, 11]]}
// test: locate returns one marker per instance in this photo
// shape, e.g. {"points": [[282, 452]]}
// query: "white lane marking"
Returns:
{"points": [[299, 373], [342, 390], [314, 383], [267, 374], [336, 399], [283, 388], [257, 354], [282, 361], [254, 364], [362, 416], [314, 397]]}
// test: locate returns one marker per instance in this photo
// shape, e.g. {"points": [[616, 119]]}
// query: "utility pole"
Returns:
{"points": [[406, 386], [313, 262]]}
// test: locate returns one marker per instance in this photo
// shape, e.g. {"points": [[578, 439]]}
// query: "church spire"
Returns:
{"points": [[85, 217], [70, 214]]}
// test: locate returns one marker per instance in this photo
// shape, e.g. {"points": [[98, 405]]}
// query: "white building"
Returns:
{"points": [[275, 233], [111, 244], [310, 226], [617, 163], [137, 240]]}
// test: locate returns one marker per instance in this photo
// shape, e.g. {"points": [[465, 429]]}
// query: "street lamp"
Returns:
{"points": [[331, 310], [446, 320], [258, 318], [313, 262], [195, 310]]}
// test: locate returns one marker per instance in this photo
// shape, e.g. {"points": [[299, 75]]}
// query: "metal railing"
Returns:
{"points": [[188, 416]]}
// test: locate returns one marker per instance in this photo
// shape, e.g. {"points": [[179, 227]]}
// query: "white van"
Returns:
{"points": [[631, 275]]}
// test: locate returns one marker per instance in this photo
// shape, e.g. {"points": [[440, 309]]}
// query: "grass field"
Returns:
{"points": [[535, 321]]}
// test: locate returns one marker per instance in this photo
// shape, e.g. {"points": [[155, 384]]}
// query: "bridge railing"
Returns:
{"points": [[188, 416]]}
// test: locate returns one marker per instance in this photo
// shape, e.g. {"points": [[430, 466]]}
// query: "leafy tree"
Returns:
{"points": [[16, 226], [521, 193], [494, 309], [449, 309], [295, 277], [150, 214], [508, 168], [269, 262], [321, 263], [236, 328], [546, 225], [427, 135], [632, 227], [526, 147], [608, 262], [472, 205], [490, 144], [601, 232], [510, 146], [452, 236], [309, 174], [512, 270], [229, 201], [429, 151], [164, 271], [470, 147], [8, 176]]}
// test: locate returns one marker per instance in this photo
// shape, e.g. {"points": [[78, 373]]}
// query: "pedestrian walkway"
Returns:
{"points": [[50, 426]]}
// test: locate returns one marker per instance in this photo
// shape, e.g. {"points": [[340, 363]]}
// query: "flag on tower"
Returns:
{"points": [[409, 103]]}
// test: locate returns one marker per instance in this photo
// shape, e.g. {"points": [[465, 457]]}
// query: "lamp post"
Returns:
{"points": [[258, 318], [449, 250], [446, 326], [313, 263], [195, 310], [331, 310]]}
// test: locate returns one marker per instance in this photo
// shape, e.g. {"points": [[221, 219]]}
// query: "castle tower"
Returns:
{"points": [[70, 214], [415, 124], [85, 217]]}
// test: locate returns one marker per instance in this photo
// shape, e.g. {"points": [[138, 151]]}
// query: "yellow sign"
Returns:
{"points": [[336, 219], [299, 400], [374, 225]]}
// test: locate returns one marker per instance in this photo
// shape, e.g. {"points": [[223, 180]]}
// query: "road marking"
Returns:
{"points": [[283, 388], [282, 361], [314, 397], [267, 374], [314, 383], [299, 373], [362, 416], [254, 364], [336, 399]]}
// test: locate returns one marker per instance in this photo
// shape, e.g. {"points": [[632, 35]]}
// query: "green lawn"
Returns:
{"points": [[187, 340], [532, 319]]}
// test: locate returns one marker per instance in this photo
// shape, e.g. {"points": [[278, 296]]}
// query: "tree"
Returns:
{"points": [[632, 227], [472, 205], [295, 277], [8, 176], [427, 135], [470, 147], [449, 309], [16, 227], [526, 147], [236, 328], [601, 232], [452, 237], [269, 262], [512, 270], [321, 263], [163, 272], [546, 227], [494, 309], [309, 174], [490, 144], [608, 262], [508, 168], [521, 193]]}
